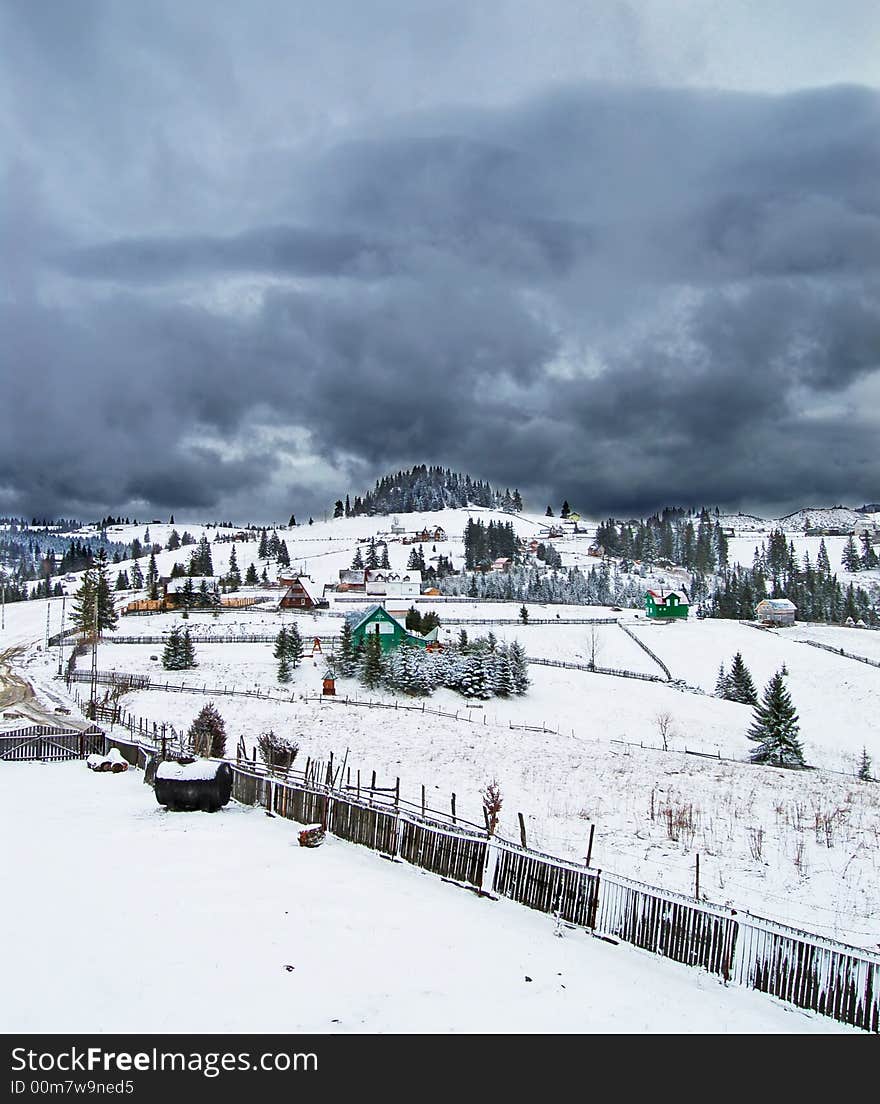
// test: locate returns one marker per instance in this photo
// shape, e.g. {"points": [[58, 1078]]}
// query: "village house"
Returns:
{"points": [[304, 594], [377, 621], [776, 611], [667, 605], [391, 584], [503, 563]]}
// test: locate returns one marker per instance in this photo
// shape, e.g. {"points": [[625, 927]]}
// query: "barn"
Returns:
{"points": [[666, 605], [776, 611]]}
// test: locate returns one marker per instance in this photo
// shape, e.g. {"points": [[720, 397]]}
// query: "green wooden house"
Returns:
{"points": [[377, 621], [666, 605]]}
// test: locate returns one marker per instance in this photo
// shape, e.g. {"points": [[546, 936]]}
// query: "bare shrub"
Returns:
{"points": [[277, 752], [492, 802], [664, 727], [680, 823], [756, 844]]}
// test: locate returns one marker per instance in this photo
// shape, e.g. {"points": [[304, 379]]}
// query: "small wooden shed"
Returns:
{"points": [[776, 611]]}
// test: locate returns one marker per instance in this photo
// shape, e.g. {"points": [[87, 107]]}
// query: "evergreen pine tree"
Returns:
{"points": [[137, 576], [284, 669], [294, 649], [172, 655], [339, 509], [187, 651], [524, 614], [233, 576], [850, 559], [207, 733], [775, 728], [868, 557], [372, 664], [519, 666], [384, 562], [345, 661], [865, 767], [740, 687], [250, 576], [281, 643], [121, 581], [721, 683], [263, 547], [83, 606], [152, 578], [357, 563]]}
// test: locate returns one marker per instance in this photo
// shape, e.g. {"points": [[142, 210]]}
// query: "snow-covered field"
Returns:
{"points": [[128, 917], [798, 847]]}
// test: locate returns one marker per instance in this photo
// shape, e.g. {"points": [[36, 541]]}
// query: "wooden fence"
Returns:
{"points": [[811, 972], [647, 650], [840, 652], [46, 743], [827, 977], [595, 669]]}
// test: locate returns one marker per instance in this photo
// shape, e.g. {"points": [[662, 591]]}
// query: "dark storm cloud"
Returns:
{"points": [[621, 295]]}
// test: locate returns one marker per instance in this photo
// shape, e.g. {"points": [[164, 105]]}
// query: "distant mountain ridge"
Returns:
{"points": [[422, 489]]}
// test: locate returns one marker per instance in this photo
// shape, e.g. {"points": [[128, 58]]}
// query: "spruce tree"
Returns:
{"points": [[294, 648], [187, 651], [358, 562], [740, 687], [850, 558], [233, 576], [721, 683], [281, 643], [284, 669], [345, 661], [207, 733], [83, 606], [775, 728], [524, 614], [172, 655], [865, 767], [372, 665]]}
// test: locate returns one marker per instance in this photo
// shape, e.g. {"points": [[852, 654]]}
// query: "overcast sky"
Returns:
{"points": [[255, 255]]}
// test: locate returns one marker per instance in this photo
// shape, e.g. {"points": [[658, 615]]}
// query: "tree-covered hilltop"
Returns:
{"points": [[424, 488]]}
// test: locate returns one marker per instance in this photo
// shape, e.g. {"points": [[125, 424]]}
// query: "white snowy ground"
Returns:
{"points": [[802, 848], [128, 918]]}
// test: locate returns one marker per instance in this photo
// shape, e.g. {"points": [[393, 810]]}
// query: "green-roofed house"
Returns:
{"points": [[377, 621], [667, 605]]}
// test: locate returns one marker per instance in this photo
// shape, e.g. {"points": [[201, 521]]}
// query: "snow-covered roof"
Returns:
{"points": [[313, 590], [777, 604], [664, 595]]}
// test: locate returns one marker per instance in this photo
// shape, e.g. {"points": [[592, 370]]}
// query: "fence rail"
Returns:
{"points": [[595, 669], [647, 650], [839, 652]]}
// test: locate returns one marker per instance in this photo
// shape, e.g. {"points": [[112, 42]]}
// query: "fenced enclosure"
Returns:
{"points": [[811, 972], [806, 970]]}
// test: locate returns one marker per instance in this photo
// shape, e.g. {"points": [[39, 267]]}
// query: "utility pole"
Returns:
{"points": [[61, 643], [48, 610], [93, 704], [3, 606]]}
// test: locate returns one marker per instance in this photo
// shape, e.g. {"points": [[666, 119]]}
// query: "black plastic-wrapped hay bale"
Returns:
{"points": [[203, 786]]}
